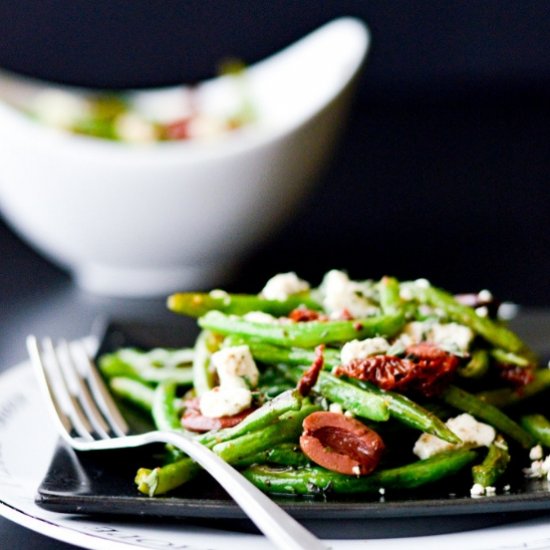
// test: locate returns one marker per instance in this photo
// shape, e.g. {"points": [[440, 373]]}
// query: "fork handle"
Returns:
{"points": [[278, 526]]}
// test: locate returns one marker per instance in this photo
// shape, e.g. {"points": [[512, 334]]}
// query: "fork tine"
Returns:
{"points": [[60, 380], [99, 391], [79, 390], [51, 384], [64, 424]]}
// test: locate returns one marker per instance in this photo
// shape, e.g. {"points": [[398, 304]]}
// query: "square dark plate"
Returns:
{"points": [[102, 484]]}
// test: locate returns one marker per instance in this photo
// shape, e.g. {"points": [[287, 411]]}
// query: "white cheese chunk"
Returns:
{"points": [[237, 373], [225, 401], [539, 468], [236, 367], [536, 453], [283, 285], [131, 128], [339, 293], [58, 108], [448, 335], [485, 295], [206, 127], [361, 349], [164, 105], [260, 317], [464, 426], [452, 334], [477, 490], [414, 332]]}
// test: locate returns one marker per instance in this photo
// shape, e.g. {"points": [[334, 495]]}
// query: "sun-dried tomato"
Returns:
{"points": [[516, 375], [303, 314], [194, 421], [178, 129], [341, 444], [309, 378], [425, 369]]}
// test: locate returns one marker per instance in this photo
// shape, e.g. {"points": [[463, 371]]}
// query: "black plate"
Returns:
{"points": [[102, 484]]}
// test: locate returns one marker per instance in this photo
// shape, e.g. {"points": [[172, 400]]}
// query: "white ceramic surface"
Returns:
{"points": [[147, 220]]}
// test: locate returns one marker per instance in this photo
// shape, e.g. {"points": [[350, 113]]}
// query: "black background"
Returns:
{"points": [[444, 169]]}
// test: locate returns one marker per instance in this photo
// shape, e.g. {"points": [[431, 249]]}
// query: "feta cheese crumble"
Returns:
{"points": [[283, 285], [536, 453], [452, 334], [449, 335], [478, 490], [539, 468], [132, 128], [260, 317], [225, 401], [236, 367], [339, 293], [237, 373], [361, 349], [464, 426], [59, 108]]}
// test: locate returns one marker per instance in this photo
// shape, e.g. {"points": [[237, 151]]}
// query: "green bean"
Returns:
{"points": [[285, 454], [288, 428], [138, 393], [361, 402], [165, 478], [538, 426], [315, 480], [273, 355], [165, 415], [477, 366], [267, 414], [305, 335], [233, 449], [411, 414], [153, 366], [469, 403], [489, 329], [134, 391], [494, 464], [272, 383], [203, 376], [509, 358], [390, 300], [196, 304], [505, 397]]}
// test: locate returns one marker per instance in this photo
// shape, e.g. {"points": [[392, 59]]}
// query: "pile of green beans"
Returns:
{"points": [[265, 445]]}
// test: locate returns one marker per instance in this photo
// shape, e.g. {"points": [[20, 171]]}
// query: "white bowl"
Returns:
{"points": [[147, 220]]}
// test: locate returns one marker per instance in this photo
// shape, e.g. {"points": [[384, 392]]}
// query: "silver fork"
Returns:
{"points": [[88, 419]]}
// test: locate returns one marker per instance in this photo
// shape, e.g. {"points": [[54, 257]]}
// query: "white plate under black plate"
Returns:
{"points": [[102, 484]]}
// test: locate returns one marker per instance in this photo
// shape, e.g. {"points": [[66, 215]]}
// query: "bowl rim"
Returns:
{"points": [[231, 143]]}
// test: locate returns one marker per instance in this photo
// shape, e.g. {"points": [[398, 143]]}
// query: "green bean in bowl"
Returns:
{"points": [[350, 387]]}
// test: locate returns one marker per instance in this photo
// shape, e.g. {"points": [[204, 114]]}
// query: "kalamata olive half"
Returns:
{"points": [[340, 443]]}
